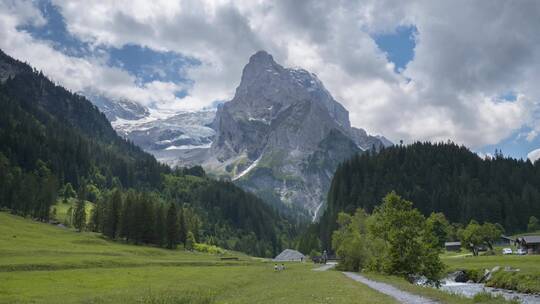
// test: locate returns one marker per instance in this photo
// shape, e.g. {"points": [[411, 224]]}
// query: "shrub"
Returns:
{"points": [[201, 247]]}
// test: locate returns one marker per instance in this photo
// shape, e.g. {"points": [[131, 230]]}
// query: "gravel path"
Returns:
{"points": [[325, 267], [387, 289]]}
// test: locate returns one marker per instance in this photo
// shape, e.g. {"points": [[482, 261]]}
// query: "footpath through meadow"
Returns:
{"points": [[387, 289]]}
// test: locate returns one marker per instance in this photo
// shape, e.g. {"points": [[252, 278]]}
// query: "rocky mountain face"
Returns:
{"points": [[171, 137], [283, 135], [177, 140], [119, 109]]}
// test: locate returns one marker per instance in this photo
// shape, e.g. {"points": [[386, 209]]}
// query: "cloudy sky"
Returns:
{"points": [[468, 71]]}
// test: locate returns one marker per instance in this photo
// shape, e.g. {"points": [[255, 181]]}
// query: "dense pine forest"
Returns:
{"points": [[51, 138], [441, 177]]}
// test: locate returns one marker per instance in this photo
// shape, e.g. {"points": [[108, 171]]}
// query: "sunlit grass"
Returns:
{"points": [[42, 263]]}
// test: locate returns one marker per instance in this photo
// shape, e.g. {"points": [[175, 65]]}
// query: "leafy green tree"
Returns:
{"points": [[471, 237], [439, 226], [352, 243], [172, 227], [533, 225], [407, 244], [476, 235], [491, 233]]}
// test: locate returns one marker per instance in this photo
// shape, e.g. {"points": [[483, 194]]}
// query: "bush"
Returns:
{"points": [[208, 248]]}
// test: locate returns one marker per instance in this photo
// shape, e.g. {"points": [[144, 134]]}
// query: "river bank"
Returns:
{"points": [[513, 272]]}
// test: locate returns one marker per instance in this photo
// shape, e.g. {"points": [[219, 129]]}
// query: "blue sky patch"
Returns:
{"points": [[55, 32], [509, 96], [148, 65], [398, 45], [144, 63], [516, 145]]}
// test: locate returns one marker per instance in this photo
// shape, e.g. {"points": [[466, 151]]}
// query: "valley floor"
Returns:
{"points": [[41, 263]]}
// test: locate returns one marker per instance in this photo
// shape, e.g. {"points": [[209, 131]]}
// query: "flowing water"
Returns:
{"points": [[471, 289]]}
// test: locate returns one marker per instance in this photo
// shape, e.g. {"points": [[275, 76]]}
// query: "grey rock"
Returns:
{"points": [[459, 276], [118, 108], [283, 135], [177, 140]]}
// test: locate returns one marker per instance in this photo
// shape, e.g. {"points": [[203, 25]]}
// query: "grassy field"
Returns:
{"points": [[41, 263], [526, 263]]}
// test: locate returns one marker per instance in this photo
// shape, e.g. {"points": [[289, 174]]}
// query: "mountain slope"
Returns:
{"points": [[437, 178], [50, 137], [43, 121], [282, 135]]}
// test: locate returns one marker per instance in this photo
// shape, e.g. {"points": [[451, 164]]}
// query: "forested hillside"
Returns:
{"points": [[440, 177], [50, 137]]}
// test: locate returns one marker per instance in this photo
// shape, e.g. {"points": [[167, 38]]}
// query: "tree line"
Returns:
{"points": [[441, 177], [139, 218]]}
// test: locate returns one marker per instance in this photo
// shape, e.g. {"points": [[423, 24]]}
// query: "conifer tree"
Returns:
{"points": [[160, 229], [172, 227], [79, 215], [182, 227], [113, 215], [126, 216]]}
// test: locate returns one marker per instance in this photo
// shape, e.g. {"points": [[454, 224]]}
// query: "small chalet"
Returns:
{"points": [[531, 243], [452, 246], [505, 241], [290, 255]]}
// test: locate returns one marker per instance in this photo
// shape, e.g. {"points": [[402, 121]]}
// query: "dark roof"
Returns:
{"points": [[530, 239]]}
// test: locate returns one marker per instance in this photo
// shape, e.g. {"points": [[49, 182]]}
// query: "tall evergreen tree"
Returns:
{"points": [[182, 226], [160, 225], [172, 227], [79, 215], [112, 221]]}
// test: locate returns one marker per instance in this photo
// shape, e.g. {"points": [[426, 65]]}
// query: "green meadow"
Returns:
{"points": [[42, 263]]}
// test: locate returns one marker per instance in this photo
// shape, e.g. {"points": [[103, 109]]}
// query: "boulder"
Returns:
{"points": [[460, 276]]}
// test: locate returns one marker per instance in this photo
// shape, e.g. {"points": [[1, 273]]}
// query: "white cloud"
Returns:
{"points": [[467, 54], [89, 74], [534, 155]]}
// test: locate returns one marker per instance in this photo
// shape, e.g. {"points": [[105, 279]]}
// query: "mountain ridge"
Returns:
{"points": [[271, 136]]}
